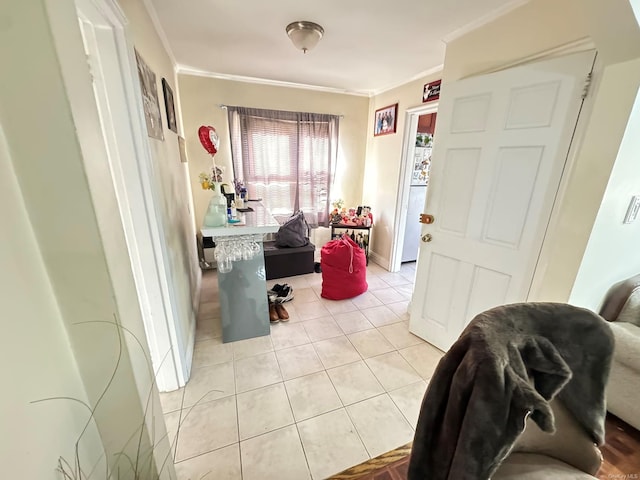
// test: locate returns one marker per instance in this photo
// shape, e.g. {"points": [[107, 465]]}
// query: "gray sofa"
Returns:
{"points": [[621, 308]]}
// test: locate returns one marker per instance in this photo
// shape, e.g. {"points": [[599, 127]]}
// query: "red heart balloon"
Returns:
{"points": [[209, 139]]}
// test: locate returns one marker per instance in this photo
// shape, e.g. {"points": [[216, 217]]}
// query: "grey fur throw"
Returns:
{"points": [[508, 362]]}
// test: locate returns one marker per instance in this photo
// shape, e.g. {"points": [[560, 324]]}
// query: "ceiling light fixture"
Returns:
{"points": [[305, 35]]}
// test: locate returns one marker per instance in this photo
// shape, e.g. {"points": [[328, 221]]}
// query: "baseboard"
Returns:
{"points": [[189, 353], [195, 305], [380, 260], [195, 299]]}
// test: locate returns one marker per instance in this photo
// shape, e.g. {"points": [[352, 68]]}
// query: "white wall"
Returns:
{"points": [[613, 250], [37, 361]]}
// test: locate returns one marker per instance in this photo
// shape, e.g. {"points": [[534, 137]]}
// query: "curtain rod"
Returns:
{"points": [[224, 107]]}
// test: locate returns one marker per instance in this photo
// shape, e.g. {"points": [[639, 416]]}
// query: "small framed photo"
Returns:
{"points": [[431, 91], [386, 119], [168, 105]]}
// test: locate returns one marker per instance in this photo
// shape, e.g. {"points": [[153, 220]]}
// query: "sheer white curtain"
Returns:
{"points": [[286, 158]]}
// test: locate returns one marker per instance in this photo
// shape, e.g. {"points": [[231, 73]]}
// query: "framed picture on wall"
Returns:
{"points": [[168, 105], [385, 120], [150, 102], [431, 91]]}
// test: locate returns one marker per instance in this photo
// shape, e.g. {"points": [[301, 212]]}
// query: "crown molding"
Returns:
{"points": [[185, 70], [424, 73], [479, 22], [581, 45], [151, 10]]}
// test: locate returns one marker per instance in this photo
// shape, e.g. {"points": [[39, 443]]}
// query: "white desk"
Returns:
{"points": [[243, 291], [260, 221]]}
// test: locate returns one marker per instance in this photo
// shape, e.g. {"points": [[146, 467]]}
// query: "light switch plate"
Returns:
{"points": [[632, 211]]}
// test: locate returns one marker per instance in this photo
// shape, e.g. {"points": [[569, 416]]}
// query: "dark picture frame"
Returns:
{"points": [[169, 107], [385, 120], [431, 91]]}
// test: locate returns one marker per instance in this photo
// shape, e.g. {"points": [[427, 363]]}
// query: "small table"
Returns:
{"points": [[359, 234], [243, 291]]}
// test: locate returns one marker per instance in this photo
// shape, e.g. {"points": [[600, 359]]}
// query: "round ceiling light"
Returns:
{"points": [[304, 35]]}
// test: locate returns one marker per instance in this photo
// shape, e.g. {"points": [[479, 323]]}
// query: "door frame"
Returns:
{"points": [[404, 180], [143, 228]]}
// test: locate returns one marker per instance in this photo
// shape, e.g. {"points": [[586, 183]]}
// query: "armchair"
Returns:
{"points": [[520, 395]]}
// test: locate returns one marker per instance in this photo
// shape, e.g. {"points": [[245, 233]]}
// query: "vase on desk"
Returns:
{"points": [[216, 215]]}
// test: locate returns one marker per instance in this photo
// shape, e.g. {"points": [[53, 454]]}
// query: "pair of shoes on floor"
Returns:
{"points": [[280, 293], [277, 313]]}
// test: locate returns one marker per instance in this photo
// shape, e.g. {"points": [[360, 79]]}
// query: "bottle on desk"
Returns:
{"points": [[232, 212]]}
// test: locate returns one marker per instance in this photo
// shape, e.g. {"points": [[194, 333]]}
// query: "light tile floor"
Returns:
{"points": [[340, 383]]}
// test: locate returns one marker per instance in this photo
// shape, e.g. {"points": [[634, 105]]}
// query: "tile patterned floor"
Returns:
{"points": [[338, 384]]}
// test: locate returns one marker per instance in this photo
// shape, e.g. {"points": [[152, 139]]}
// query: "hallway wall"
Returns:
{"points": [[95, 299], [37, 359], [172, 178]]}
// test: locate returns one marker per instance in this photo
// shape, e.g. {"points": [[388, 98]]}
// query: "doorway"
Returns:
{"points": [[419, 184], [413, 183]]}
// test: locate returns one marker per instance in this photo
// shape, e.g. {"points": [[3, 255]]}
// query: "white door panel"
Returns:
{"points": [[503, 140]]}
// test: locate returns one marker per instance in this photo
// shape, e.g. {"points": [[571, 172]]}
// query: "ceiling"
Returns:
{"points": [[368, 45]]}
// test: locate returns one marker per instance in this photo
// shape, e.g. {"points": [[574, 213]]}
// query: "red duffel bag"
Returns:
{"points": [[344, 269]]}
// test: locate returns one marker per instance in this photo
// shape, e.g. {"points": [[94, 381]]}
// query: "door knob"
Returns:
{"points": [[426, 218], [427, 237]]}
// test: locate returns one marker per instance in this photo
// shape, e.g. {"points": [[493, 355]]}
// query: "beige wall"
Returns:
{"points": [[538, 26], [200, 98], [172, 178], [382, 172], [83, 252], [541, 25]]}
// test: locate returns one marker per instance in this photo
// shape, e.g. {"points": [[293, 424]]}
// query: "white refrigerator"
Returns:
{"points": [[417, 196]]}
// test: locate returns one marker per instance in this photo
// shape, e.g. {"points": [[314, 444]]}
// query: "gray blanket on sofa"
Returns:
{"points": [[508, 362]]}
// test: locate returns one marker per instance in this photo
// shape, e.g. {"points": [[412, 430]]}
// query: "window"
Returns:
{"points": [[286, 158]]}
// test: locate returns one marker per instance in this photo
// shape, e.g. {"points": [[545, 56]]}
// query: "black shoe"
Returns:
{"points": [[285, 295], [276, 289], [317, 268]]}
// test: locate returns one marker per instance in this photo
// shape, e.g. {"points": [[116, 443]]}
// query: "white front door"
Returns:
{"points": [[503, 139]]}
